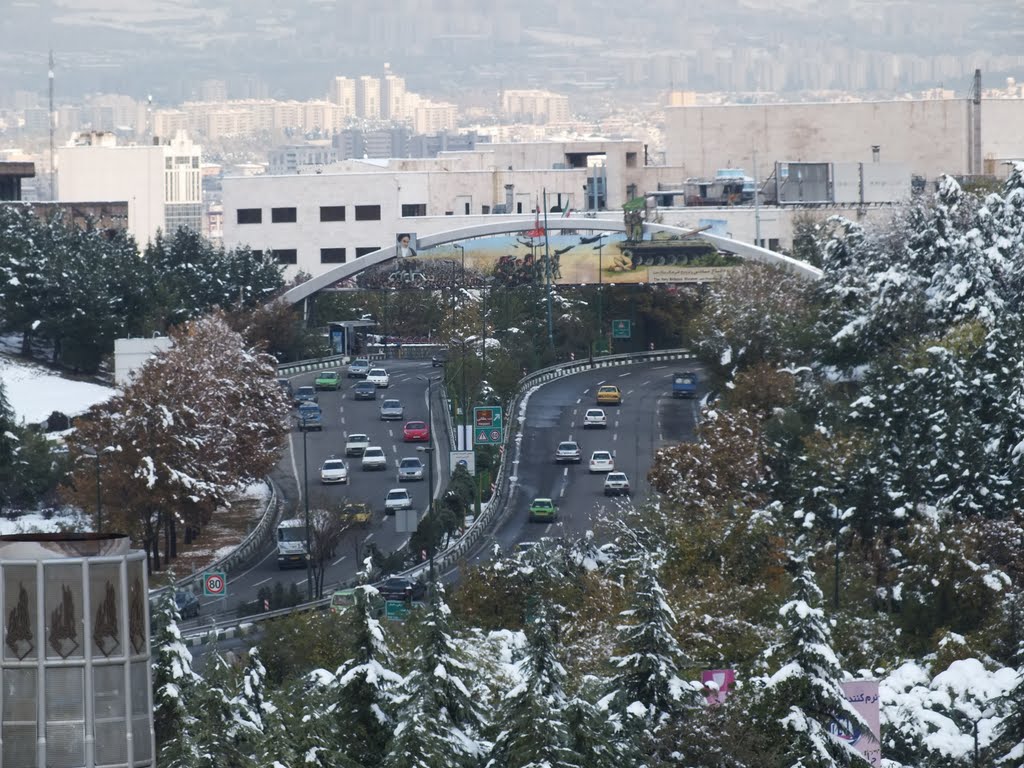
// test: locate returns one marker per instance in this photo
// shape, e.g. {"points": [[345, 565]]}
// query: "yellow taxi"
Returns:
{"points": [[609, 395]]}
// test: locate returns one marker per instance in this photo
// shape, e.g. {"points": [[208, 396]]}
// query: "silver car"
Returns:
{"points": [[410, 469], [391, 410]]}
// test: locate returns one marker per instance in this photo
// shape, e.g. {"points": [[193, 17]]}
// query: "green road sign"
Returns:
{"points": [[487, 425], [601, 347], [622, 329], [396, 610], [215, 584]]}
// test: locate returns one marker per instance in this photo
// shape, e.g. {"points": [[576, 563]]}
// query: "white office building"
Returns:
{"points": [[161, 182]]}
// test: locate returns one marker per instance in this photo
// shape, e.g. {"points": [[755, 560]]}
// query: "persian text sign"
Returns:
{"points": [[863, 695], [687, 274]]}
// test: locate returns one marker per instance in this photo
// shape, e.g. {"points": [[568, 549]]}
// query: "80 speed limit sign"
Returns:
{"points": [[215, 584]]}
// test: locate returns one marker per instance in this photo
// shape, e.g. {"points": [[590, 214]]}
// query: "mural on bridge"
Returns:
{"points": [[575, 258]]}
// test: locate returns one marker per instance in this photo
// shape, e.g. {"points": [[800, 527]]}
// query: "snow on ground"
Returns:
{"points": [[35, 392], [33, 522]]}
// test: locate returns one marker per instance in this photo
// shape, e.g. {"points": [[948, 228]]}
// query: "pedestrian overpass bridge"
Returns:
{"points": [[519, 226]]}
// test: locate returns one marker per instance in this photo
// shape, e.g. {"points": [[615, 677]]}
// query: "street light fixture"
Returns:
{"points": [[95, 456], [430, 451], [463, 250]]}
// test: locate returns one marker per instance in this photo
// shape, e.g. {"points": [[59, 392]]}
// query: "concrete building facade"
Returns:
{"points": [[930, 137], [161, 182]]}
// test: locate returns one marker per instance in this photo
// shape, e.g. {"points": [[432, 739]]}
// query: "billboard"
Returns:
{"points": [[863, 696]]}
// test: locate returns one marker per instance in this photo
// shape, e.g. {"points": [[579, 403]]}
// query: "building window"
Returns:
{"points": [[631, 159], [519, 207], [466, 208], [485, 209], [332, 255], [332, 213], [360, 252], [414, 209], [367, 213], [250, 215], [286, 255], [283, 215]]}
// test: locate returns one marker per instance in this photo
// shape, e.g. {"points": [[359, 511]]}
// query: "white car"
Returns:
{"points": [[410, 469], [379, 377], [334, 471], [616, 484], [397, 498], [374, 458], [356, 444], [601, 461], [594, 417]]}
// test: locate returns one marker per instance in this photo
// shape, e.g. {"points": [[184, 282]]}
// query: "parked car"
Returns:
{"points": [[358, 368], [391, 409], [543, 511], [616, 484], [595, 418], [364, 390], [306, 394], [400, 588], [327, 380], [187, 602], [568, 452], [379, 377], [397, 498], [410, 469], [601, 461], [356, 444], [374, 458], [609, 395], [334, 471], [416, 432]]}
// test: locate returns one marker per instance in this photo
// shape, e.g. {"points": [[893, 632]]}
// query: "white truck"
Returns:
{"points": [[291, 544]]}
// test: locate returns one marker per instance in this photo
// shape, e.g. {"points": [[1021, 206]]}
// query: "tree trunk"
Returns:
{"points": [[174, 537]]}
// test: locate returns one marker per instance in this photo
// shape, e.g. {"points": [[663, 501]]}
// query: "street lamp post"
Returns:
{"points": [[463, 251], [305, 498], [600, 286], [95, 456], [429, 450]]}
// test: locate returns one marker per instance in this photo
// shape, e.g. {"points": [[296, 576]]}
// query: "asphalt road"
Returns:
{"points": [[648, 418], [342, 415]]}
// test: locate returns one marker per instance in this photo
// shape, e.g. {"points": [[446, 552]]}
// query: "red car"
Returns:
{"points": [[416, 432]]}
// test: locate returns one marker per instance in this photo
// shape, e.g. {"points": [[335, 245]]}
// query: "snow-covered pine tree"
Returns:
{"points": [[257, 724], [175, 685], [8, 446], [592, 729], [309, 737], [363, 694], [210, 738], [533, 730], [1002, 222], [648, 689], [803, 698], [438, 721]]}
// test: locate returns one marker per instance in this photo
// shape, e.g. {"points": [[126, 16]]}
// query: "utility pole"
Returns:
{"points": [[547, 272], [53, 124], [757, 206], [305, 498]]}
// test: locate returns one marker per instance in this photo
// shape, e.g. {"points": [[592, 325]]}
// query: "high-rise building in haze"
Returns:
{"points": [[392, 98], [343, 93], [368, 97]]}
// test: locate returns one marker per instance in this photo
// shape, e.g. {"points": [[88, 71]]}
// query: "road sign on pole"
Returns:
{"points": [[215, 584], [622, 329], [465, 459], [395, 610], [487, 425]]}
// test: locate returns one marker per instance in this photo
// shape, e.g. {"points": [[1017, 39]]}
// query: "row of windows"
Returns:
{"points": [[327, 255], [289, 215]]}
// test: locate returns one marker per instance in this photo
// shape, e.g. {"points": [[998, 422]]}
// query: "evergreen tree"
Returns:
{"points": [[9, 442], [308, 739], [532, 717], [175, 685], [803, 698], [363, 692], [439, 722], [592, 729]]}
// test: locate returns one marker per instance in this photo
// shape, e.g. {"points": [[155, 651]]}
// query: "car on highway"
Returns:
{"points": [[306, 394], [601, 461], [188, 604], [439, 358], [416, 432], [609, 394], [356, 512], [379, 377], [616, 484], [286, 387], [410, 469], [364, 390], [356, 443], [391, 409], [595, 418], [309, 417], [400, 588], [374, 458], [358, 368], [327, 380], [342, 599], [543, 511], [568, 452], [334, 470], [397, 498]]}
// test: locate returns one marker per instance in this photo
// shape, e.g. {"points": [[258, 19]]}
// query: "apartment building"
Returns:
{"points": [[533, 106]]}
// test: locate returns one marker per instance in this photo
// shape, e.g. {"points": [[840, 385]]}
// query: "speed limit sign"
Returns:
{"points": [[215, 584]]}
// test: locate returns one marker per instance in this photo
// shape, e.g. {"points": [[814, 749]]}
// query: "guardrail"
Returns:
{"points": [[496, 508]]}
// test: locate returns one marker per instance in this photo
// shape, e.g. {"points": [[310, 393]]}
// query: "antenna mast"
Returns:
{"points": [[53, 123]]}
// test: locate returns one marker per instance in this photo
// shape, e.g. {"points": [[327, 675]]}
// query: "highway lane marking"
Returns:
{"points": [[565, 473], [586, 391], [615, 436], [630, 392], [624, 375], [644, 384], [598, 384], [263, 582], [658, 367], [578, 401], [334, 563], [370, 536]]}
